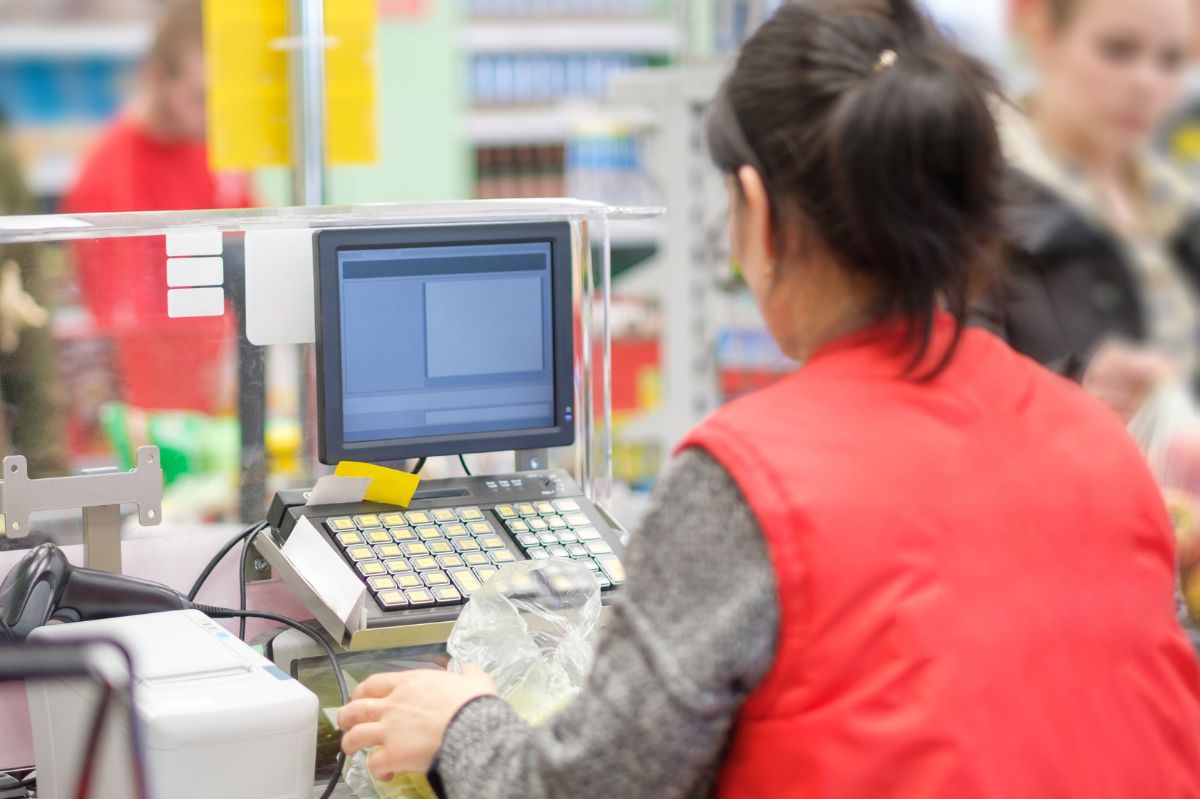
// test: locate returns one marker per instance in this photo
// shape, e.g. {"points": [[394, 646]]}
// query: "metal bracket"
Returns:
{"points": [[100, 493]]}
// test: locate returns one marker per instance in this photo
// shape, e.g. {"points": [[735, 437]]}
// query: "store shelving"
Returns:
{"points": [[547, 124], [116, 40], [648, 36]]}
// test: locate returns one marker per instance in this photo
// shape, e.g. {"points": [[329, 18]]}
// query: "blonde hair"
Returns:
{"points": [[180, 31]]}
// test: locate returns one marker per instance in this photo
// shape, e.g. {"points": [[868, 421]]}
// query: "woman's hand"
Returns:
{"points": [[406, 715], [1123, 376]]}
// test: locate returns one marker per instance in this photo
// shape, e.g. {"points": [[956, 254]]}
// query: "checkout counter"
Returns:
{"points": [[354, 344]]}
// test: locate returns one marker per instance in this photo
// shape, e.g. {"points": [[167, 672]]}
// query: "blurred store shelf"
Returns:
{"points": [[641, 36], [637, 233], [127, 40], [547, 124]]}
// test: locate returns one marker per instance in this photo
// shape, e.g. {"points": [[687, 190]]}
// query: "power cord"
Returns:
{"points": [[249, 542], [226, 613], [420, 465], [253, 529], [463, 461]]}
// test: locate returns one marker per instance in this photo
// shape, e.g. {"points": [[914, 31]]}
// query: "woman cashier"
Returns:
{"points": [[922, 565]]}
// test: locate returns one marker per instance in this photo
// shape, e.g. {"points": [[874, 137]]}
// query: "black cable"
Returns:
{"points": [[420, 465], [217, 558], [463, 461], [242, 580], [83, 785], [226, 613]]}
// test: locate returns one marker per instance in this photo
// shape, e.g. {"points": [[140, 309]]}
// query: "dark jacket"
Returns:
{"points": [[1068, 283]]}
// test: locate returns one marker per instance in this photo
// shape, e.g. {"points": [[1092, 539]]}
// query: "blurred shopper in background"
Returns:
{"points": [[1104, 250], [154, 158]]}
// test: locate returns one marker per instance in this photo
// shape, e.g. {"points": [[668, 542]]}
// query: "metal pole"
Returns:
{"points": [[307, 98]]}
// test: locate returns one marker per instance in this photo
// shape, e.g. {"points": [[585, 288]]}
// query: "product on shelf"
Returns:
{"points": [[605, 162], [533, 79], [519, 172], [597, 8]]}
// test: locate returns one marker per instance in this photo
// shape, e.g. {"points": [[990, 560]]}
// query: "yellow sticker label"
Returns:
{"points": [[388, 486]]}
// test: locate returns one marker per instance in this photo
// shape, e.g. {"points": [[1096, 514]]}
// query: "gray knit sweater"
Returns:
{"points": [[691, 635]]}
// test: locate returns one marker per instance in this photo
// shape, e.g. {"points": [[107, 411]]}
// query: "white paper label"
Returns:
{"points": [[207, 271], [280, 307], [197, 241], [184, 303]]}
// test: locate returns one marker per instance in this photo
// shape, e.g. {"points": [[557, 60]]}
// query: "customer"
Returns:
{"points": [[922, 565], [154, 158], [1104, 246]]}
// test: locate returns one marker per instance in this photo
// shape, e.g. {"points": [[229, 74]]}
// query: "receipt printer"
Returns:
{"points": [[218, 719]]}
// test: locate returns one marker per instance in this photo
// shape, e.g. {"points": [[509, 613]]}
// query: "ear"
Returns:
{"points": [[758, 227]]}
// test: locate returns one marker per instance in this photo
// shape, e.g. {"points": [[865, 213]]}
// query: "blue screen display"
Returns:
{"points": [[441, 341]]}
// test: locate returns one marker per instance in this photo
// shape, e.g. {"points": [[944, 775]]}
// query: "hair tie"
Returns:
{"points": [[887, 60]]}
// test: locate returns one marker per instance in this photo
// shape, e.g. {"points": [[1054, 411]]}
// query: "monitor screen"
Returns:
{"points": [[444, 340]]}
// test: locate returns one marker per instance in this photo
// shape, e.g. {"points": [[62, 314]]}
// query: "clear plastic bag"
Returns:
{"points": [[533, 628], [1167, 428]]}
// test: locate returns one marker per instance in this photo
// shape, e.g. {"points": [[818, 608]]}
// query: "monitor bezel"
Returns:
{"points": [[332, 448]]}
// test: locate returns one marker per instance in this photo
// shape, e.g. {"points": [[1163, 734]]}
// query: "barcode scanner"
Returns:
{"points": [[44, 587]]}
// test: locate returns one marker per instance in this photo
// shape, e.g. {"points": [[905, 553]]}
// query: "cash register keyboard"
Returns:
{"points": [[437, 557]]}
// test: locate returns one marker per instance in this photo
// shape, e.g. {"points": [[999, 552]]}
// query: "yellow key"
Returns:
{"points": [[444, 515], [419, 596], [379, 537], [485, 573], [416, 517], [543, 507], [349, 539], [587, 534], [476, 559], [389, 551], [392, 519], [403, 535], [393, 599], [491, 542], [470, 514], [382, 583], [613, 567], [435, 578], [466, 580], [518, 526], [466, 545], [455, 530], [415, 549], [341, 524], [503, 556], [440, 547], [367, 520], [398, 565], [450, 561], [425, 563], [480, 528], [506, 511], [526, 509], [577, 520], [361, 553], [566, 505], [370, 568], [598, 548], [447, 594], [537, 524], [426, 533], [408, 581]]}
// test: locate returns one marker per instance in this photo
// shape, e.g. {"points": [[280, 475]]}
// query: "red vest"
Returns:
{"points": [[975, 579]]}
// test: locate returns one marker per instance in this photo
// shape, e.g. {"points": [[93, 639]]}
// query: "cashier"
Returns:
{"points": [[922, 565]]}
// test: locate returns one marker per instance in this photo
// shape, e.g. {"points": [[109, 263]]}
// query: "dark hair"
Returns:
{"points": [[875, 134]]}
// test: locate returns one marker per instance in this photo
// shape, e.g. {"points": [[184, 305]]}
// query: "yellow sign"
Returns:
{"points": [[388, 486], [247, 48]]}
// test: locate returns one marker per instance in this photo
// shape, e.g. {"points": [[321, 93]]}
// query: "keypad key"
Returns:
{"points": [[342, 524], [557, 551], [567, 537], [566, 505], [537, 525], [491, 542], [612, 567], [547, 539], [485, 573], [605, 583], [420, 597], [379, 537], [526, 509], [424, 563], [598, 548], [556, 522], [577, 550], [537, 553], [470, 514], [576, 520], [383, 583], [371, 568], [543, 507], [444, 516], [480, 528], [466, 545], [386, 551], [450, 561], [418, 517], [407, 581], [506, 511], [447, 595], [440, 547], [588, 534], [389, 600], [414, 549], [455, 530], [465, 580], [517, 526], [433, 578], [397, 566], [349, 539], [588, 563], [367, 521], [427, 532], [392, 519], [402, 535], [361, 553], [502, 556], [476, 559], [528, 540]]}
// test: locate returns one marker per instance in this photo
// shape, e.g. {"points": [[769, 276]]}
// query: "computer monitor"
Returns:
{"points": [[443, 340]]}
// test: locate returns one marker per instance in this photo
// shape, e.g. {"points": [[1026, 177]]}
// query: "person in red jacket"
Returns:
{"points": [[153, 157], [921, 566]]}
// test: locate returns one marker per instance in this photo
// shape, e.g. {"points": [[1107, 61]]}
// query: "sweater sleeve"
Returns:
{"points": [[692, 634]]}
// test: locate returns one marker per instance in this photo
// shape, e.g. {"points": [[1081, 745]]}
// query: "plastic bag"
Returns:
{"points": [[533, 628], [1167, 428]]}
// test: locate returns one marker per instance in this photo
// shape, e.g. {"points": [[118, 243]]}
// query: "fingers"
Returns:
{"points": [[360, 711], [380, 764], [362, 736]]}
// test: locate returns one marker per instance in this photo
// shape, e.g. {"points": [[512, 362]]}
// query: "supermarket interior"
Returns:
{"points": [[646, 363]]}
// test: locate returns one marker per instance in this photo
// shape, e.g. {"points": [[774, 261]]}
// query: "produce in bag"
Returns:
{"points": [[533, 628]]}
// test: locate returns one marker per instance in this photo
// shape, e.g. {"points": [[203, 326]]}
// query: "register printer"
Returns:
{"points": [[438, 341]]}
